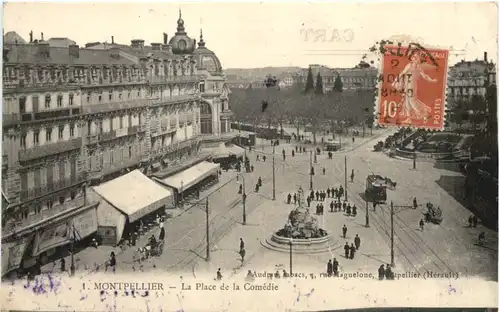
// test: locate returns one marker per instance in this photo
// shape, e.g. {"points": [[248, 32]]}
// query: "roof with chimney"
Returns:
{"points": [[12, 37], [30, 54]]}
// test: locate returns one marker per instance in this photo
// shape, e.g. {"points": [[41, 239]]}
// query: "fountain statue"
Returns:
{"points": [[301, 224]]}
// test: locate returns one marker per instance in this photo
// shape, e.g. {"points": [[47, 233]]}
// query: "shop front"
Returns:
{"points": [[189, 180], [128, 204], [51, 242], [13, 252], [227, 156]]}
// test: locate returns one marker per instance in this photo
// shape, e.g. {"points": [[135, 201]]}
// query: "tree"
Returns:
{"points": [[309, 81], [338, 86], [319, 84]]}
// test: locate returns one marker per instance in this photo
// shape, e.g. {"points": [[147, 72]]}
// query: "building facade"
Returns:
{"points": [[469, 78], [358, 78], [75, 117]]}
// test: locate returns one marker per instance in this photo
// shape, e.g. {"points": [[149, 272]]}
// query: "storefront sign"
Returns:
{"points": [[12, 253], [52, 237], [84, 224]]}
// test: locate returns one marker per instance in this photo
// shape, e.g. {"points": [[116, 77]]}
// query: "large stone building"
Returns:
{"points": [[75, 117], [469, 78]]}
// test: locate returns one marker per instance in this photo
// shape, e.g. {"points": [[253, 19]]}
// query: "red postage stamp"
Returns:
{"points": [[412, 87]]}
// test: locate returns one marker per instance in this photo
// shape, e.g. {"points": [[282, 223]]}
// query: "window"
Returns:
{"points": [[71, 130], [121, 122], [73, 195], [36, 137], [61, 200], [59, 100], [22, 105], [50, 204], [88, 97], [25, 214], [138, 93], [47, 101], [111, 156], [61, 132], [202, 87], [38, 208], [48, 134], [71, 99], [130, 151], [100, 98], [110, 95], [23, 140], [119, 96]]}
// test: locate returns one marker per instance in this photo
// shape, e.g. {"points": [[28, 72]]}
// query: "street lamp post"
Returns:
{"points": [[367, 217], [315, 156], [207, 230], [310, 171], [291, 252], [244, 199], [345, 173], [181, 199], [72, 268], [414, 160], [274, 174], [392, 235]]}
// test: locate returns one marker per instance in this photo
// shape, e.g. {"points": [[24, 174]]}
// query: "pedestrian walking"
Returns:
{"points": [[388, 272], [344, 206], [357, 241], [474, 221], [259, 181], [354, 210], [63, 265], [348, 209], [264, 158], [219, 275], [289, 199], [331, 206], [242, 244], [346, 250], [251, 168], [329, 268], [324, 170], [242, 254], [293, 153], [352, 250], [328, 192], [257, 188], [374, 206], [421, 224], [470, 221], [415, 205], [308, 201], [257, 159], [335, 267], [295, 198], [352, 175], [344, 231], [381, 272], [161, 236], [111, 263]]}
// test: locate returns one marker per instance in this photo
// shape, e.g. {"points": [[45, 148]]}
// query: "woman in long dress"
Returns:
{"points": [[413, 108]]}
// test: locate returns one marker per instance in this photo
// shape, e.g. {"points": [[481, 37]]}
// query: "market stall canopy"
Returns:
{"points": [[191, 176], [134, 194], [223, 151]]}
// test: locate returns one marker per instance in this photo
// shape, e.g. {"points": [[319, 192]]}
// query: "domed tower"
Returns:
{"points": [[181, 43], [205, 58]]}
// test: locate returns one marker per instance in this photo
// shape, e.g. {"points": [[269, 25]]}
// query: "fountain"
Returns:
{"points": [[301, 230]]}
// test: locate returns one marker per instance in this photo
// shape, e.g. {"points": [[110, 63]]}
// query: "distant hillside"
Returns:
{"points": [[251, 73]]}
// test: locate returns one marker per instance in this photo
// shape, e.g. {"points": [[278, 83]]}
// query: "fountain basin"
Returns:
{"points": [[300, 245]]}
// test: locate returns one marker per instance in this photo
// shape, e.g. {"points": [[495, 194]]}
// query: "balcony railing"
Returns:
{"points": [[175, 99], [33, 193], [114, 106], [117, 166], [50, 149], [22, 84], [167, 79]]}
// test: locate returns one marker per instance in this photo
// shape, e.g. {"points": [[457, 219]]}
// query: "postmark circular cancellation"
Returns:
{"points": [[412, 80]]}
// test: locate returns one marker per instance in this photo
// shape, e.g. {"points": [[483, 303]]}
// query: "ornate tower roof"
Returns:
{"points": [[206, 59], [181, 43]]}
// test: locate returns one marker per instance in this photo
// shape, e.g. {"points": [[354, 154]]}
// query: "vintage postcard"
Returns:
{"points": [[249, 156]]}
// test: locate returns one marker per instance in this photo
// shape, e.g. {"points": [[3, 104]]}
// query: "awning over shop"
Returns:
{"points": [[12, 253], [236, 150], [79, 227], [220, 151], [191, 176], [134, 194]]}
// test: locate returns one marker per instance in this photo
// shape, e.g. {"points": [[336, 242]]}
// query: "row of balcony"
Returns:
{"points": [[163, 79], [52, 187], [114, 134], [23, 85], [57, 113], [49, 149]]}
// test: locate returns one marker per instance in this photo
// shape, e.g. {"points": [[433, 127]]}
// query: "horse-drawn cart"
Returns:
{"points": [[434, 214]]}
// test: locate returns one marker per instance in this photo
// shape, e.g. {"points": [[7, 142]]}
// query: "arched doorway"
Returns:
{"points": [[205, 118]]}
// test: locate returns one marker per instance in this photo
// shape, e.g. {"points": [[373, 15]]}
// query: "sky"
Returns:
{"points": [[248, 35]]}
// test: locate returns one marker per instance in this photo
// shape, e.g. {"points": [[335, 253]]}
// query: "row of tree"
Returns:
{"points": [[304, 105]]}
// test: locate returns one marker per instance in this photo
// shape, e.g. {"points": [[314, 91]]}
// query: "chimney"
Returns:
{"points": [[166, 48], [486, 57], [44, 49], [74, 51], [138, 44], [42, 37], [112, 39], [156, 46], [114, 53], [165, 38]]}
